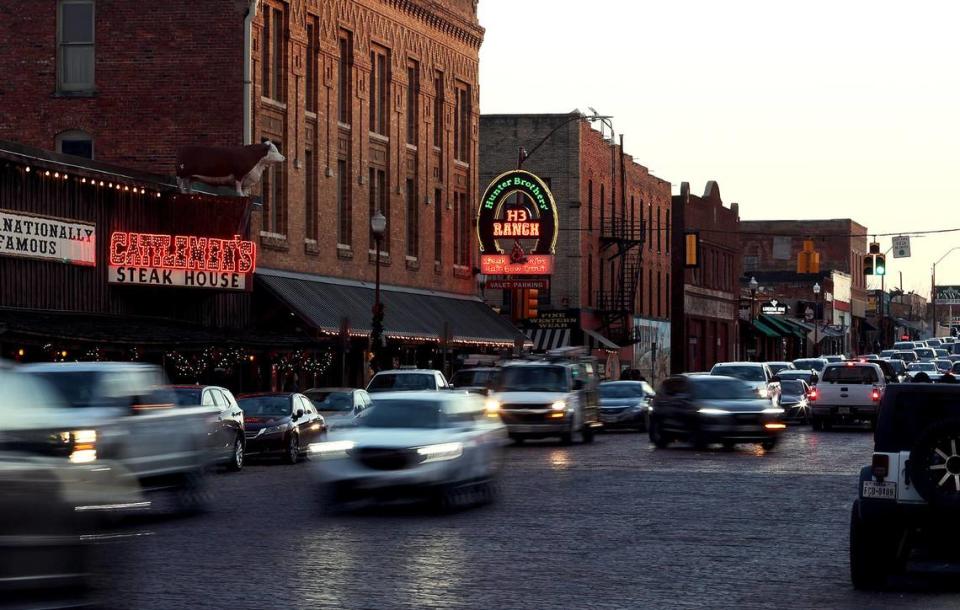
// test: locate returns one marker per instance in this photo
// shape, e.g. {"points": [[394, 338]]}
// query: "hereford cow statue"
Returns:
{"points": [[237, 166]]}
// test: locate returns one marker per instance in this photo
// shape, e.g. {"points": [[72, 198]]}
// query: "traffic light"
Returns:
{"points": [[868, 264], [808, 259], [531, 298], [880, 265]]}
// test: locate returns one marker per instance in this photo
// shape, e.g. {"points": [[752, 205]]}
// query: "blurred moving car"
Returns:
{"points": [[123, 412], [281, 423], [776, 367], [413, 445], [339, 406], [848, 392], [407, 380], [624, 404], [713, 409], [226, 435], [477, 379], [755, 374], [807, 376], [811, 364], [794, 397]]}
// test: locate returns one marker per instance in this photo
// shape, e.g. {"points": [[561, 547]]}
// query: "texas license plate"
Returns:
{"points": [[884, 491], [843, 411]]}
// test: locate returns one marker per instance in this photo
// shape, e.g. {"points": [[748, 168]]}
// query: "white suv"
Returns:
{"points": [[407, 380], [755, 374]]}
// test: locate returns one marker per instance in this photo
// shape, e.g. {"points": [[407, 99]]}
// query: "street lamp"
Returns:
{"points": [[933, 287], [753, 297], [378, 225], [816, 325]]}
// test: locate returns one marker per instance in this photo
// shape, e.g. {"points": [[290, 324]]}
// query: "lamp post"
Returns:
{"points": [[378, 225], [753, 313], [816, 325], [933, 287]]}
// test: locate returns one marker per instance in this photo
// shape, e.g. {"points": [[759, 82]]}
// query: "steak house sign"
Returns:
{"points": [[181, 260], [499, 220]]}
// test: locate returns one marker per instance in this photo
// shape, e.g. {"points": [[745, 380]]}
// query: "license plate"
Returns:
{"points": [[884, 491], [607, 418], [843, 411]]}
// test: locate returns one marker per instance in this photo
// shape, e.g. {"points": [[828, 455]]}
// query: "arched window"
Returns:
{"points": [[75, 142]]}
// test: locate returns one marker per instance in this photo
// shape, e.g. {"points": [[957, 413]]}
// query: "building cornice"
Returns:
{"points": [[442, 19]]}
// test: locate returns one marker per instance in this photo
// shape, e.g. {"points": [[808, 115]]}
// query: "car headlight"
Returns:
{"points": [[560, 405], [84, 446], [274, 429], [491, 406], [762, 392], [709, 411], [331, 449], [773, 411], [441, 452]]}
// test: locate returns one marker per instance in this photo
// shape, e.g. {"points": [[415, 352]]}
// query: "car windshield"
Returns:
{"points": [[928, 367], [266, 406], [471, 378], [776, 367], [187, 397], [791, 386], [533, 379], [746, 373], [402, 413], [397, 382], [813, 364], [721, 389], [906, 356], [623, 390], [850, 374], [925, 352], [331, 401], [115, 389]]}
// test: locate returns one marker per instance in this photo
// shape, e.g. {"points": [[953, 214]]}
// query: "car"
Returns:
{"points": [[899, 368], [755, 374], [812, 364], [947, 341], [904, 346], [776, 367], [865, 357], [794, 399], [925, 354], [809, 377], [887, 353], [908, 497], [407, 380], [476, 379], [941, 353], [281, 423], [439, 446], [227, 436], [624, 404], [848, 392], [943, 365], [554, 397], [835, 358], [953, 357], [890, 374], [712, 409], [928, 369], [907, 356], [128, 414], [339, 406], [933, 343]]}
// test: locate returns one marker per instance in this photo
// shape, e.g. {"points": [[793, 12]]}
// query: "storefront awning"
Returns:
{"points": [[412, 314], [597, 341], [765, 330], [783, 326], [546, 339]]}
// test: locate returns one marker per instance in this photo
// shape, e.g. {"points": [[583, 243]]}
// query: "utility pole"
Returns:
{"points": [[678, 333]]}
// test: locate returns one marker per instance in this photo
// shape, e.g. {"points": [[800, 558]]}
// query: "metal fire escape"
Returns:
{"points": [[622, 241]]}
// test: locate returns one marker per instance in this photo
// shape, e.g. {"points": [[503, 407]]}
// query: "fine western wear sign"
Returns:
{"points": [[45, 238], [181, 260]]}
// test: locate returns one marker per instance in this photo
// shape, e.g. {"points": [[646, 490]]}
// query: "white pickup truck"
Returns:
{"points": [[847, 392]]}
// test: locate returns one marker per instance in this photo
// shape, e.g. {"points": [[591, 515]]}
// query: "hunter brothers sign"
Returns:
{"points": [[45, 238]]}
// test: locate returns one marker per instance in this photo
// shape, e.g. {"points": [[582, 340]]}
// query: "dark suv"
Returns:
{"points": [[909, 497]]}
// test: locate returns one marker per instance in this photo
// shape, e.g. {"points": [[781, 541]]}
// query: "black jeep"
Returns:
{"points": [[909, 497]]}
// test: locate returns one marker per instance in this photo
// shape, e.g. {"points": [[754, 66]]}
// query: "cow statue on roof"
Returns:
{"points": [[237, 166]]}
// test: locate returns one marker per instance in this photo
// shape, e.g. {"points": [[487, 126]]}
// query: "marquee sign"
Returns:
{"points": [[948, 295], [46, 238], [181, 260], [500, 222], [773, 308]]}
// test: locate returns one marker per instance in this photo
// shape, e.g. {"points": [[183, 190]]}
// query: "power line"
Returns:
{"points": [[805, 235]]}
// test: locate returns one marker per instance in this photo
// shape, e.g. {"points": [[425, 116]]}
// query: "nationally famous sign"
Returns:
{"points": [[181, 260], [45, 238], [517, 237]]}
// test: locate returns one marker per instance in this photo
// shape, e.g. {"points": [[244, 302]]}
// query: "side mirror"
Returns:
{"points": [[298, 414]]}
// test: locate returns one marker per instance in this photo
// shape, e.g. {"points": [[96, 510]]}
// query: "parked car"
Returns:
{"points": [[548, 398], [794, 400], [907, 356], [226, 436], [813, 364], [436, 445], [909, 496], [125, 413], [848, 392], [624, 404], [776, 367], [339, 406], [281, 423], [809, 377], [407, 380], [755, 374], [713, 409], [478, 379]]}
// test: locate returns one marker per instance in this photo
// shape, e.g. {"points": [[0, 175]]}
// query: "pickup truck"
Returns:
{"points": [[848, 392]]}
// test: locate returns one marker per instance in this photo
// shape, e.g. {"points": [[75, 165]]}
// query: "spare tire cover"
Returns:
{"points": [[935, 464]]}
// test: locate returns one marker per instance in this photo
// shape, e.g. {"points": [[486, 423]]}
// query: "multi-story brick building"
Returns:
{"points": [[374, 103], [613, 250]]}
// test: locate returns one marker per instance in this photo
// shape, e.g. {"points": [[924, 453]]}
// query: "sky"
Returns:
{"points": [[821, 109]]}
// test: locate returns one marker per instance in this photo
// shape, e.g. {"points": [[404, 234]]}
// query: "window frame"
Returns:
{"points": [[75, 88]]}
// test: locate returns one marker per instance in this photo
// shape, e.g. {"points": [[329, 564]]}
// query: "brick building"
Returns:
{"points": [[374, 103], [613, 250], [710, 291]]}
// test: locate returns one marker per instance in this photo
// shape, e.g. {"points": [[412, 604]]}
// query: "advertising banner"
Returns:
{"points": [[46, 238]]}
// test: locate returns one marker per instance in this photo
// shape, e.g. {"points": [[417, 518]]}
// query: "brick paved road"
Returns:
{"points": [[612, 525]]}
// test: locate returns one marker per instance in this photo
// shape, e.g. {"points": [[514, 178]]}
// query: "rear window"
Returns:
{"points": [[907, 411], [533, 379], [791, 386], [386, 382], [721, 389], [810, 364], [468, 378], [906, 356], [746, 373], [925, 352], [850, 374]]}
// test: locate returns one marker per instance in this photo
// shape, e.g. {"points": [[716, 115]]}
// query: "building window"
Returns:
{"points": [[633, 216], [603, 195], [590, 279], [650, 293], [590, 205], [650, 227], [413, 219], [640, 290], [461, 136], [668, 232], [312, 63], [310, 195], [274, 203], [659, 296], [344, 204], [278, 64], [413, 102], [379, 92], [669, 289], [344, 80], [75, 45], [461, 229], [659, 232], [75, 142], [438, 109], [438, 225], [379, 200]]}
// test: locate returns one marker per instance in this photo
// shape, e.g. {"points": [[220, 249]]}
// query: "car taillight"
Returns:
{"points": [[875, 395], [812, 394], [880, 467]]}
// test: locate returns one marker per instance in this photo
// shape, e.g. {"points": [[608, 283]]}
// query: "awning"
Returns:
{"points": [[918, 326], [545, 339], [867, 326], [766, 330], [597, 341], [409, 313], [783, 326]]}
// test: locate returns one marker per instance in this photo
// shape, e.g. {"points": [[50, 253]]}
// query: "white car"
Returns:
{"points": [[755, 374], [440, 446], [407, 380]]}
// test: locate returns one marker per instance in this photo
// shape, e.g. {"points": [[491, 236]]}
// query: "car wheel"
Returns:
{"points": [[769, 444], [873, 553], [657, 436], [291, 454], [236, 462], [935, 464]]}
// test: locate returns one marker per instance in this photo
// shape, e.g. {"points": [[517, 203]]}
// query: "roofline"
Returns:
{"points": [[326, 279]]}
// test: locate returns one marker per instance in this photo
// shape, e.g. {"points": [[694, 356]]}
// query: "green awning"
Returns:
{"points": [[784, 326], [765, 330]]}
